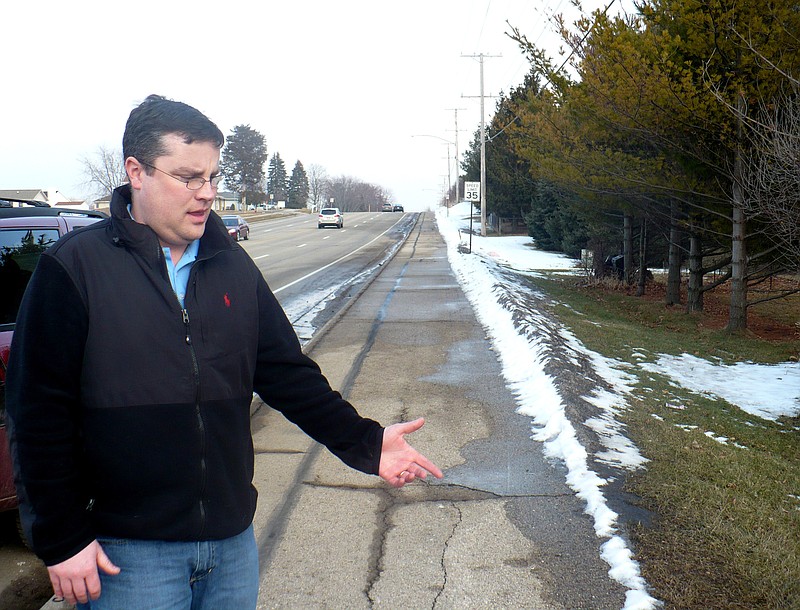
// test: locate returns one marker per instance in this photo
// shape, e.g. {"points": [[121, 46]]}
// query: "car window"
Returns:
{"points": [[20, 250], [230, 222]]}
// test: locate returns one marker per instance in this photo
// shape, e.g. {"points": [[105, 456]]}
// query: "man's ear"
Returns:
{"points": [[134, 169]]}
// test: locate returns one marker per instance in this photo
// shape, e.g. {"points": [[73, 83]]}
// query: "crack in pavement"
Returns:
{"points": [[456, 525], [451, 492], [279, 451]]}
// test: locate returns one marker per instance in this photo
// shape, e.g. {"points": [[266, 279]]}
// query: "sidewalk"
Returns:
{"points": [[500, 530]]}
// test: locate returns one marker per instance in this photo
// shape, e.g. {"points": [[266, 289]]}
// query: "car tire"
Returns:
{"points": [[247, 235], [319, 226]]}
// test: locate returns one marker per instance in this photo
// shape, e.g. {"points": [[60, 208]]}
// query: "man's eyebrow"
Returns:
{"points": [[192, 172]]}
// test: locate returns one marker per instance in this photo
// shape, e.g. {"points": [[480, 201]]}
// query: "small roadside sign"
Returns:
{"points": [[472, 191]]}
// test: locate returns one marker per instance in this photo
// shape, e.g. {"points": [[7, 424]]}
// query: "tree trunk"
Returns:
{"points": [[640, 289], [627, 247], [598, 248], [694, 299], [674, 266], [737, 317]]}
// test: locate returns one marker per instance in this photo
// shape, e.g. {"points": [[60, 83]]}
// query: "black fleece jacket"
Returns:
{"points": [[129, 415]]}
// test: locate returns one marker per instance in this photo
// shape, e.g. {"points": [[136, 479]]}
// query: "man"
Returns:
{"points": [[129, 409]]}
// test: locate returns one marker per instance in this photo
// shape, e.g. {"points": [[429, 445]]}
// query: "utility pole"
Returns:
{"points": [[449, 182], [480, 57], [455, 141]]}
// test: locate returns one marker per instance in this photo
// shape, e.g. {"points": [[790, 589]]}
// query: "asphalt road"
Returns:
{"points": [[311, 270]]}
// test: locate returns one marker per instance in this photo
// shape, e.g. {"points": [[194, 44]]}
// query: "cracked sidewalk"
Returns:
{"points": [[501, 530]]}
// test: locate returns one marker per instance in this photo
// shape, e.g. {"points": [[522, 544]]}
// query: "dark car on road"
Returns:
{"points": [[237, 226], [398, 208], [26, 230]]}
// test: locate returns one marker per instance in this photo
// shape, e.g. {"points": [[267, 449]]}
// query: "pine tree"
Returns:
{"points": [[276, 178], [298, 187], [242, 163]]}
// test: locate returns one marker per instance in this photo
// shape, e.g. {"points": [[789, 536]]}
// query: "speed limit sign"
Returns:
{"points": [[472, 191]]}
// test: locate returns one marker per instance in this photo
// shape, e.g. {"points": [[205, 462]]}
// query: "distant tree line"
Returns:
{"points": [[242, 164], [670, 136]]}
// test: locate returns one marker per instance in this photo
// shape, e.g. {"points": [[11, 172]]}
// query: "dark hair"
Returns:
{"points": [[157, 116]]}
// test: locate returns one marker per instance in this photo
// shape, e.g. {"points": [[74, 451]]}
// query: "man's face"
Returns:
{"points": [[176, 214]]}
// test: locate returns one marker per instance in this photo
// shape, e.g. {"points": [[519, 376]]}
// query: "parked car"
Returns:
{"points": [[330, 217], [398, 208], [26, 230], [387, 207], [237, 226]]}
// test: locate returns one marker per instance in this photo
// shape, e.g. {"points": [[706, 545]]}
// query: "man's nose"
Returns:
{"points": [[206, 191]]}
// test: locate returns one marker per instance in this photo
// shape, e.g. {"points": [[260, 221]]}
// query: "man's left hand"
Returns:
{"points": [[400, 462]]}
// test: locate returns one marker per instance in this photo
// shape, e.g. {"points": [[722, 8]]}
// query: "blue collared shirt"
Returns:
{"points": [[179, 274]]}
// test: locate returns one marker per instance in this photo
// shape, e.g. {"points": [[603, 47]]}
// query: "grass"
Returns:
{"points": [[727, 527]]}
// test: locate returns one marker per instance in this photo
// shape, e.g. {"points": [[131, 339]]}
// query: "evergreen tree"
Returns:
{"points": [[242, 163], [654, 130], [276, 178], [298, 188]]}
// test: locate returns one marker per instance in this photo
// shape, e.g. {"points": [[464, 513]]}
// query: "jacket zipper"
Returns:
{"points": [[199, 415]]}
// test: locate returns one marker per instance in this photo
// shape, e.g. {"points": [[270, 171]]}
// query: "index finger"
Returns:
{"points": [[429, 466]]}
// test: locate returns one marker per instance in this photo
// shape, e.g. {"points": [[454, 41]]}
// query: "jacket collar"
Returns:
{"points": [[139, 237]]}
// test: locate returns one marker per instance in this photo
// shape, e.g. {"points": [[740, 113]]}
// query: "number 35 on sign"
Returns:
{"points": [[472, 191]]}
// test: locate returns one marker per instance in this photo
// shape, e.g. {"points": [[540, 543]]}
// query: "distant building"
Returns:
{"points": [[52, 197], [226, 200]]}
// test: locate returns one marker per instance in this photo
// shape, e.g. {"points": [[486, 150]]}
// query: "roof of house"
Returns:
{"points": [[26, 194]]}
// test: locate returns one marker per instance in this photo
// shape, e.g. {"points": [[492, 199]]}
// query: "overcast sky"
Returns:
{"points": [[343, 85]]}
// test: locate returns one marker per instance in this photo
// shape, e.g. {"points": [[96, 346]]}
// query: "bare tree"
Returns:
{"points": [[104, 171], [317, 186], [342, 191], [773, 174], [352, 195]]}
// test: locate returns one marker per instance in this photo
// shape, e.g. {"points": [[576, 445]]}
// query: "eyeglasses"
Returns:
{"points": [[193, 184]]}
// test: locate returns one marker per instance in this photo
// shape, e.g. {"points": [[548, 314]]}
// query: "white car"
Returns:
{"points": [[330, 217]]}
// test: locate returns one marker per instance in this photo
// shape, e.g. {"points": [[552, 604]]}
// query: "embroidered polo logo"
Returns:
{"points": [[227, 300]]}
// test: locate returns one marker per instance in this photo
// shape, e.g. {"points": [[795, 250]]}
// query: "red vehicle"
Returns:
{"points": [[26, 230]]}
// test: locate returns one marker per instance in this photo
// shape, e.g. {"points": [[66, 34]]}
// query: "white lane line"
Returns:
{"points": [[338, 260]]}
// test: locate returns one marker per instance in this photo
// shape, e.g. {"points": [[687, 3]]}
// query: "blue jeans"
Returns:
{"points": [[155, 575]]}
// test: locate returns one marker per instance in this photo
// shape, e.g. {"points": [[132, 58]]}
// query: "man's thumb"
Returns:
{"points": [[104, 563], [415, 425]]}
